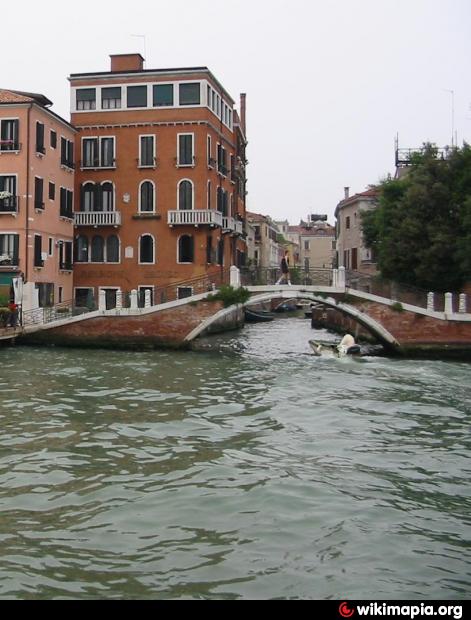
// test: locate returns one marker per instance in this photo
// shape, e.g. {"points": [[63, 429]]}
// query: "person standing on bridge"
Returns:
{"points": [[285, 275]]}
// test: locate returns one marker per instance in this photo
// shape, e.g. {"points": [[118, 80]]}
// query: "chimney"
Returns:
{"points": [[347, 193], [243, 112], [120, 63]]}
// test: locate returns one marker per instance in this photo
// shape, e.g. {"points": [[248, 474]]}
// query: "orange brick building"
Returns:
{"points": [[160, 181], [36, 199]]}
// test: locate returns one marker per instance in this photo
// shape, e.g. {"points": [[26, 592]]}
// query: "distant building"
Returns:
{"points": [[351, 250], [36, 199], [316, 240], [267, 249]]}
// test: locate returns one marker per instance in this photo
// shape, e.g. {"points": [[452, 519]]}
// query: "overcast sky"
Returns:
{"points": [[329, 83]]}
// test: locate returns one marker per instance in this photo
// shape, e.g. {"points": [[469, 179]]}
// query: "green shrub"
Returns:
{"points": [[397, 307], [230, 296], [4, 300]]}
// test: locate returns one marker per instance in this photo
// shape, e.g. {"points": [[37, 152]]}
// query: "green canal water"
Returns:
{"points": [[248, 469]]}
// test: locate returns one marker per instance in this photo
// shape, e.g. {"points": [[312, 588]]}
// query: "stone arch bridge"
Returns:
{"points": [[404, 328]]}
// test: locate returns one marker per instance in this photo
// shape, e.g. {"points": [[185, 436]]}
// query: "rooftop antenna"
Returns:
{"points": [[452, 93], [144, 38]]}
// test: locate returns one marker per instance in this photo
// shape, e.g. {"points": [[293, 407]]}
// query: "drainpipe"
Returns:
{"points": [[26, 271]]}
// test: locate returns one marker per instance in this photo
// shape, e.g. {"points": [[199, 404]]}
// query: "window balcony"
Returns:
{"points": [[228, 224], [99, 165], [9, 205], [9, 260], [9, 146], [144, 163], [231, 225], [205, 217], [98, 218]]}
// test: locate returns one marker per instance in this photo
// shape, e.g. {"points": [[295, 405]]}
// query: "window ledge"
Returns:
{"points": [[146, 216]]}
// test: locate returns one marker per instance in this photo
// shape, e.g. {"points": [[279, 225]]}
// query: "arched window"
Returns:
{"points": [[112, 249], [81, 249], [98, 250], [186, 249], [107, 196], [146, 250], [88, 197], [147, 197], [185, 196]]}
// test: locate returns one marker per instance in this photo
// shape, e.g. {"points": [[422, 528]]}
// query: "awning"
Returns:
{"points": [[6, 278]]}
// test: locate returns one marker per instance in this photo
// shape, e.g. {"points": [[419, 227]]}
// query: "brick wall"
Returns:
{"points": [[167, 328]]}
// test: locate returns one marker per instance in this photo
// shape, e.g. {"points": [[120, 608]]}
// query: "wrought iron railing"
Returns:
{"points": [[59, 312], [261, 276]]}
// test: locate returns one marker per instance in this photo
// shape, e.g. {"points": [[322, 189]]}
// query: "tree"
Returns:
{"points": [[421, 230]]}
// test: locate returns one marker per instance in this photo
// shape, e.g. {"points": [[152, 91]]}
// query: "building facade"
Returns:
{"points": [[351, 250], [36, 199], [161, 180], [267, 251]]}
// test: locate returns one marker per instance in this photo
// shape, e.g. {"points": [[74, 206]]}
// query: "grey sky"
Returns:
{"points": [[329, 83]]}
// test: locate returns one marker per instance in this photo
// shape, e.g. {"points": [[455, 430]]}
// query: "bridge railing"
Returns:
{"points": [[407, 294], [59, 312], [155, 296], [261, 276]]}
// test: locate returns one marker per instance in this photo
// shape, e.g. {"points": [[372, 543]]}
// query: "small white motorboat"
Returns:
{"points": [[347, 347]]}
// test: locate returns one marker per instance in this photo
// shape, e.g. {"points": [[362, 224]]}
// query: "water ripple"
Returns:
{"points": [[249, 470]]}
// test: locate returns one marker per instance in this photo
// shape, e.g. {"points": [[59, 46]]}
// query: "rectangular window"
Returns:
{"points": [[184, 292], [190, 94], [86, 99], [210, 189], [65, 256], [90, 153], [142, 295], [137, 96], [107, 153], [52, 191], [185, 150], [38, 193], [67, 153], [98, 153], [53, 137], [8, 198], [163, 95], [9, 250], [307, 246], [38, 251], [211, 160], [147, 152], [222, 160], [40, 138], [61, 294], [84, 298], [46, 295], [9, 135], [111, 98], [66, 203], [51, 246], [209, 250], [348, 223]]}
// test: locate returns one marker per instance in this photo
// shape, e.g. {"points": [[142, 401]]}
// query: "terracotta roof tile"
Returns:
{"points": [[8, 96]]}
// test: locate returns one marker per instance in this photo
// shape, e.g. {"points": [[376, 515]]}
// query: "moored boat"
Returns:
{"points": [[258, 316]]}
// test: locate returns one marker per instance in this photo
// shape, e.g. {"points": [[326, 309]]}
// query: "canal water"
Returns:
{"points": [[247, 469]]}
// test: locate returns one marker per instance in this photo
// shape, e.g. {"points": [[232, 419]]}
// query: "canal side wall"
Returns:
{"points": [[146, 329]]}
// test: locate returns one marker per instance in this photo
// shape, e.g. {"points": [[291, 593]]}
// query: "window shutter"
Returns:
{"points": [[16, 250]]}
